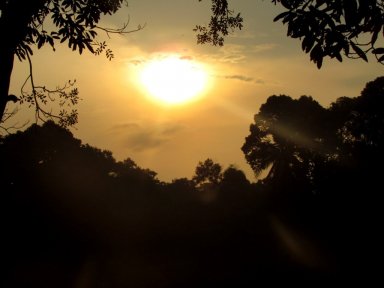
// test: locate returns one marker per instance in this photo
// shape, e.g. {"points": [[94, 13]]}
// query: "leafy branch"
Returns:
{"points": [[76, 23], [39, 97], [333, 28], [223, 21]]}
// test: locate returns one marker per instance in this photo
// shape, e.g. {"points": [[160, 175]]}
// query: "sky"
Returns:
{"points": [[117, 114]]}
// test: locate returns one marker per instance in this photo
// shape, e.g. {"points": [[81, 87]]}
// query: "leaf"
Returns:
{"points": [[338, 57], [50, 41], [282, 15], [28, 49], [378, 51], [350, 12], [375, 34], [89, 46], [308, 43], [316, 55], [286, 4], [40, 42], [319, 63], [319, 3], [381, 59], [359, 52]]}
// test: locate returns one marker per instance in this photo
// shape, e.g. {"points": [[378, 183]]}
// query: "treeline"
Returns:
{"points": [[73, 216]]}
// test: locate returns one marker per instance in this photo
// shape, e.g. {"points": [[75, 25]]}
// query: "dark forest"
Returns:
{"points": [[73, 216]]}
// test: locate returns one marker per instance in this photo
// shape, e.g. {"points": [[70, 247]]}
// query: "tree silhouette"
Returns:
{"points": [[72, 211], [207, 172], [326, 28], [286, 137], [25, 24], [207, 178], [323, 178], [66, 204], [234, 187]]}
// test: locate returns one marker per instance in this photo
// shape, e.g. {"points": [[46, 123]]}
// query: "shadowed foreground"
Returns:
{"points": [[72, 216]]}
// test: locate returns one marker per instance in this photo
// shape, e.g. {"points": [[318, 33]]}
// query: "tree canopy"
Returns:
{"points": [[299, 139], [288, 137], [326, 28]]}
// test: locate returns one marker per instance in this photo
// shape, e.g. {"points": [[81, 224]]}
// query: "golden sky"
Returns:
{"points": [[117, 114]]}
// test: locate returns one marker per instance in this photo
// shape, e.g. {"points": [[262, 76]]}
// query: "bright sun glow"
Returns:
{"points": [[174, 80]]}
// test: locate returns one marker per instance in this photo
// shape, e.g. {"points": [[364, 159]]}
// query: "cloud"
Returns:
{"points": [[243, 78], [172, 129], [186, 58], [229, 53], [239, 77], [239, 54], [124, 126], [259, 81], [156, 56], [136, 62], [262, 47], [143, 140], [139, 137]]}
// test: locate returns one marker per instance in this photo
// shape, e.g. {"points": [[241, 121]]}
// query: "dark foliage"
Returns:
{"points": [[324, 169], [223, 21], [72, 216], [326, 28]]}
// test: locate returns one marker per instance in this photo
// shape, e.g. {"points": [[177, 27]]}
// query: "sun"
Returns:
{"points": [[173, 79]]}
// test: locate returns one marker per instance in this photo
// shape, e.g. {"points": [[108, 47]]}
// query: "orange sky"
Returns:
{"points": [[259, 61]]}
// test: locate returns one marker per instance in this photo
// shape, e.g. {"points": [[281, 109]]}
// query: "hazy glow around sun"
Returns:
{"points": [[173, 80]]}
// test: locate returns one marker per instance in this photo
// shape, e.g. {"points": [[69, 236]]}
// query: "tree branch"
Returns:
{"points": [[39, 96], [121, 30]]}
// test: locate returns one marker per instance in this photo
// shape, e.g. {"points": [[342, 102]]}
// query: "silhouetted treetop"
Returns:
{"points": [[207, 172], [284, 133], [365, 124], [308, 146]]}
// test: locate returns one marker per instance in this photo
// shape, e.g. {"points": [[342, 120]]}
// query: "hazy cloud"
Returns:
{"points": [[261, 47], [172, 129], [136, 62], [186, 58], [124, 127], [259, 81], [140, 137], [237, 54], [143, 140], [243, 78], [230, 53], [239, 77]]}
